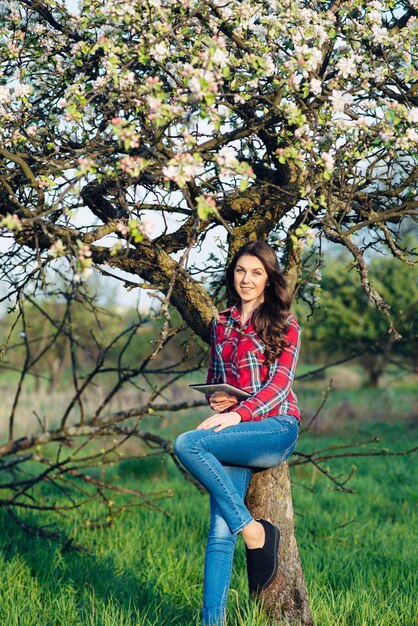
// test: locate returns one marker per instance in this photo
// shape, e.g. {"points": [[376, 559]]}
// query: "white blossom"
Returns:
{"points": [[311, 56], [202, 83], [315, 86], [347, 66], [379, 34], [269, 67], [226, 158], [220, 57], [159, 51], [4, 95], [321, 34], [238, 99], [379, 74], [100, 81], [302, 131], [412, 135], [195, 86], [127, 79], [370, 104], [257, 28], [183, 168], [340, 99], [413, 115], [375, 16]]}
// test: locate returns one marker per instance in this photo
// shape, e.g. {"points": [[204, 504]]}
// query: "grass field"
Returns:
{"points": [[358, 550]]}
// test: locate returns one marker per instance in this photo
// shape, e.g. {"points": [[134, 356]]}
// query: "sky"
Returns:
{"points": [[72, 5]]}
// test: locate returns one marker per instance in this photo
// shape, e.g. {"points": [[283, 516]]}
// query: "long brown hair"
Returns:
{"points": [[270, 318]]}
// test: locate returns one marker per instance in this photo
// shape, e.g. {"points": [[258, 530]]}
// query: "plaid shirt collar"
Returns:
{"points": [[236, 316]]}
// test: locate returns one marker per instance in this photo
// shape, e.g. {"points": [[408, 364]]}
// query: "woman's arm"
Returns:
{"points": [[214, 374], [279, 381], [220, 420]]}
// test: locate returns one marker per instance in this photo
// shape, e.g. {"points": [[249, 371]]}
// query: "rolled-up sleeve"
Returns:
{"points": [[214, 374], [279, 381]]}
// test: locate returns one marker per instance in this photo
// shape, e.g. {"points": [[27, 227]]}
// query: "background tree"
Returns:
{"points": [[344, 323], [280, 120]]}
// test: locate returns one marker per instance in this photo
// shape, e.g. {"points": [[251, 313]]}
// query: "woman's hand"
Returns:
{"points": [[221, 420], [219, 401]]}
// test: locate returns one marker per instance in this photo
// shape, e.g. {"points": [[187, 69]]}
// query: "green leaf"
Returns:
{"points": [[243, 184]]}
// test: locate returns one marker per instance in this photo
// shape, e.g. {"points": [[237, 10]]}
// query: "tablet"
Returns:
{"points": [[231, 390]]}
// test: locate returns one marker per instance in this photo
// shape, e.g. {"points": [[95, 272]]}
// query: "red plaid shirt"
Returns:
{"points": [[237, 357]]}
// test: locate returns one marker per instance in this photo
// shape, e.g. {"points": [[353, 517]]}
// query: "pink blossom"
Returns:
{"points": [[154, 103], [84, 252], [328, 160], [122, 228], [86, 162], [132, 165], [146, 225], [87, 166]]}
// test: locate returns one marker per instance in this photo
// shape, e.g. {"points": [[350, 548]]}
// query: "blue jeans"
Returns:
{"points": [[223, 462]]}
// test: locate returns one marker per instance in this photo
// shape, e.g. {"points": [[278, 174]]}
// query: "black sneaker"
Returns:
{"points": [[262, 563]]}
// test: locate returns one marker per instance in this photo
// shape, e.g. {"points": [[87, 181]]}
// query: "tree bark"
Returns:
{"points": [[269, 497]]}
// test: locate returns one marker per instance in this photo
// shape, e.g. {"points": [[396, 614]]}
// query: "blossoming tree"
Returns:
{"points": [[287, 120]]}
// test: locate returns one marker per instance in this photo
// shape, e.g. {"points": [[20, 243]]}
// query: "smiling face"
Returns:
{"points": [[250, 279]]}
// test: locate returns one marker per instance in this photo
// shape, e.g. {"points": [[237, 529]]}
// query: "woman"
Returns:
{"points": [[254, 346]]}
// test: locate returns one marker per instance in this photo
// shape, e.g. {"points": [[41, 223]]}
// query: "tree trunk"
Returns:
{"points": [[269, 497], [375, 364], [374, 377]]}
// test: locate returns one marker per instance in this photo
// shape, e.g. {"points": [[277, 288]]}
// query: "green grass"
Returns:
{"points": [[358, 550]]}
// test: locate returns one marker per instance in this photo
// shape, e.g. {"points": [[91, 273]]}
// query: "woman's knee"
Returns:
{"points": [[180, 444], [186, 442]]}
